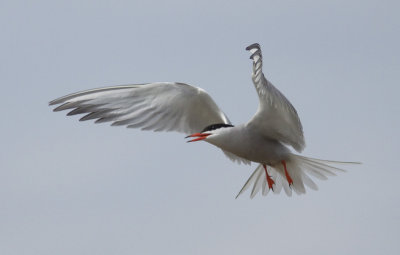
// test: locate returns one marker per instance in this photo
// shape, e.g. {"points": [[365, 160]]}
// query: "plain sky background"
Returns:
{"points": [[70, 187]]}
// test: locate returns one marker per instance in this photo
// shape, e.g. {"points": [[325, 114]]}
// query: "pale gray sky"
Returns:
{"points": [[68, 187]]}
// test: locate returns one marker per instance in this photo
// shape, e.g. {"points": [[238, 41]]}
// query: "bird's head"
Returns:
{"points": [[208, 131]]}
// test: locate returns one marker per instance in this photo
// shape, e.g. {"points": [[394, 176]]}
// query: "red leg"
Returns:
{"points": [[269, 179], [289, 179]]}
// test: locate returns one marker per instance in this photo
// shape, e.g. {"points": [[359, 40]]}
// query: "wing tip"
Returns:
{"points": [[253, 46], [53, 102], [60, 107]]}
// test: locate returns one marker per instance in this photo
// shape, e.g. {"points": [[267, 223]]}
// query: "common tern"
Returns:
{"points": [[173, 106]]}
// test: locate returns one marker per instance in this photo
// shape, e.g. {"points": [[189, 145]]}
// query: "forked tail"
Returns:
{"points": [[300, 170]]}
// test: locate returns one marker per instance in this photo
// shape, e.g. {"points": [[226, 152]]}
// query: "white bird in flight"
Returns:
{"points": [[173, 106]]}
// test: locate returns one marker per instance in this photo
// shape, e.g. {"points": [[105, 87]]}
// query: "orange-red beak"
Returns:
{"points": [[200, 136]]}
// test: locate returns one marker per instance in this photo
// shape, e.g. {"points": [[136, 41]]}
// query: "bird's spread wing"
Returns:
{"points": [[161, 106], [276, 117]]}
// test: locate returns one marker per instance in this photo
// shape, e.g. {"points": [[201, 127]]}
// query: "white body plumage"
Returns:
{"points": [[242, 141]]}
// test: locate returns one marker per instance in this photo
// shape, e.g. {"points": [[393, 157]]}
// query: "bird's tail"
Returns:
{"points": [[300, 170]]}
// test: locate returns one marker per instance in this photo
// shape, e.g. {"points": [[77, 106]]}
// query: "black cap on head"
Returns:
{"points": [[215, 126]]}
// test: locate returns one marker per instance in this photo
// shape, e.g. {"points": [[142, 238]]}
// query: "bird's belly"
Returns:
{"points": [[264, 151], [260, 154]]}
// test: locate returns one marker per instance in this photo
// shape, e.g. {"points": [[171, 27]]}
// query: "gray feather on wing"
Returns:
{"points": [[159, 106]]}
